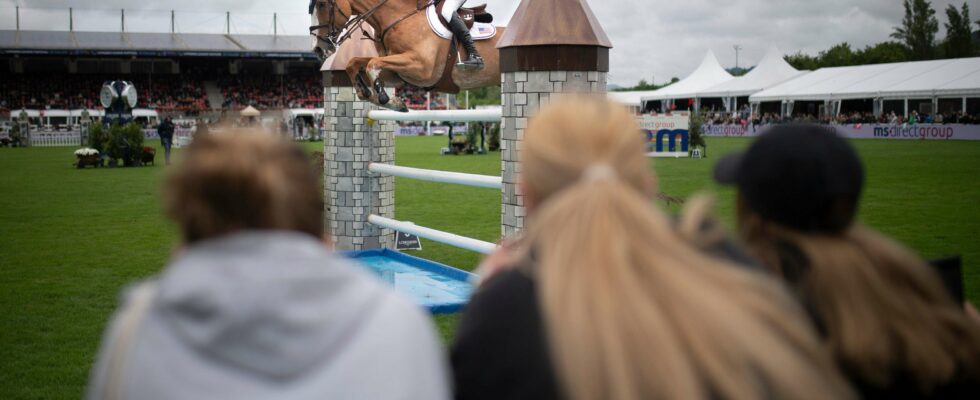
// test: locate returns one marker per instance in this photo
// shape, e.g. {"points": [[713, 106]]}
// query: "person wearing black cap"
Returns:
{"points": [[883, 313]]}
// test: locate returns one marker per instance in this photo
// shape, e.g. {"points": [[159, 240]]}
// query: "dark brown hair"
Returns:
{"points": [[242, 181]]}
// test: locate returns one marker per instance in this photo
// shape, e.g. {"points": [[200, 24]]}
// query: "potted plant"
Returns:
{"points": [[133, 152], [16, 137], [695, 133], [87, 156], [124, 145], [149, 154]]}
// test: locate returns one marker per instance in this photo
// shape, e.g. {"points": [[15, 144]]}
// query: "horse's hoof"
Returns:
{"points": [[383, 98]]}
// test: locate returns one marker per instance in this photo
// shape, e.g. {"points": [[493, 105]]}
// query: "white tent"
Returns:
{"points": [[771, 70], [708, 74], [919, 79], [631, 98], [145, 113], [250, 112]]}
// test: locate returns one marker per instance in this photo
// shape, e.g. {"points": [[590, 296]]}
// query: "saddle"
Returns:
{"points": [[470, 15], [477, 19]]}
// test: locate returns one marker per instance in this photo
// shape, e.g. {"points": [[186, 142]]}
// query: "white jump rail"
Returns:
{"points": [[434, 235], [455, 178], [487, 115]]}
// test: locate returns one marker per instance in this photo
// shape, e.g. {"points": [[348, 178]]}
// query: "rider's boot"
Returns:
{"points": [[463, 35]]}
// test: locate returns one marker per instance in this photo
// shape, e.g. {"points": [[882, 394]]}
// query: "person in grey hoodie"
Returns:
{"points": [[254, 305]]}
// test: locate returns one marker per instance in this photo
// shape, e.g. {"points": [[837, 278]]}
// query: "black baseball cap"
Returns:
{"points": [[804, 177]]}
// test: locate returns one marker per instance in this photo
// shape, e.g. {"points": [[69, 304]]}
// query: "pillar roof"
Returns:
{"points": [[554, 23]]}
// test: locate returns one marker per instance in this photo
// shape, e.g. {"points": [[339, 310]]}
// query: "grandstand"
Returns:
{"points": [[177, 74]]}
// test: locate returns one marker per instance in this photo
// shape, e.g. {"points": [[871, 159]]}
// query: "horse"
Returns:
{"points": [[410, 52]]}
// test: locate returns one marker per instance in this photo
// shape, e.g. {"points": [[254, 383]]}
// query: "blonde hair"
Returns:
{"points": [[881, 309], [243, 180], [631, 309]]}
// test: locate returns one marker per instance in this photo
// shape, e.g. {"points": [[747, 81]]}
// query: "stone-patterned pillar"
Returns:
{"points": [[537, 62], [351, 192], [522, 93]]}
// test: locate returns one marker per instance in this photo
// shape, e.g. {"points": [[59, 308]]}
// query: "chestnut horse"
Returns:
{"points": [[410, 52]]}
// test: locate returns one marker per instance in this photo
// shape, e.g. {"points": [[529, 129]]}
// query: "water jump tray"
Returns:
{"points": [[439, 288]]}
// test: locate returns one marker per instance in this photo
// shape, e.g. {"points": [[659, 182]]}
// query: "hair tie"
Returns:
{"points": [[599, 172]]}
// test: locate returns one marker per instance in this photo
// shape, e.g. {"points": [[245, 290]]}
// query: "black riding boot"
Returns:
{"points": [[463, 35]]}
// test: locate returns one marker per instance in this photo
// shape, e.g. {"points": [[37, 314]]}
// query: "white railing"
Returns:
{"points": [[487, 115], [455, 178], [434, 235], [56, 139]]}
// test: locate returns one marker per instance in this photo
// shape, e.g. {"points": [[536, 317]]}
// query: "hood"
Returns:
{"points": [[270, 303]]}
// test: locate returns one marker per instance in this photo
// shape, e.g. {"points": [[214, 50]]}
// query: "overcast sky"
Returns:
{"points": [[653, 39]]}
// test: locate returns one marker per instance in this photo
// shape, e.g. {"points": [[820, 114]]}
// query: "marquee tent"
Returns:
{"points": [[631, 98], [771, 71], [250, 112], [708, 74], [953, 78]]}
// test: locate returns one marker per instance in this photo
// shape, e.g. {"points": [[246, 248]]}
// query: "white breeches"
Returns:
{"points": [[450, 8]]}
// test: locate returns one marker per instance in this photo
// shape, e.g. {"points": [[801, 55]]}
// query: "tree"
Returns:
{"points": [[803, 62], [840, 55], [918, 29], [959, 34], [881, 53]]}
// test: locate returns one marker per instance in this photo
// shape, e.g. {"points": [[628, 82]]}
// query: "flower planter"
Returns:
{"points": [[85, 161], [87, 157]]}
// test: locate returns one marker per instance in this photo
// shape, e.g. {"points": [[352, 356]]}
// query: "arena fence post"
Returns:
{"points": [[352, 192], [540, 56]]}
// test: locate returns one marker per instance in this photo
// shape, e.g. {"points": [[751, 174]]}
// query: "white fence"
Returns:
{"points": [[182, 136], [56, 139], [455, 178], [488, 115]]}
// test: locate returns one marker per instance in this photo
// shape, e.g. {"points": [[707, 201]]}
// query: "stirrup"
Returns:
{"points": [[473, 63]]}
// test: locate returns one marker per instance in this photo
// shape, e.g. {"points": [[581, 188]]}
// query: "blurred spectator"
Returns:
{"points": [[606, 301], [254, 306], [883, 312]]}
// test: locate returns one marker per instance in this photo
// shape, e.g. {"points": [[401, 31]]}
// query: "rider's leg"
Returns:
{"points": [[463, 35]]}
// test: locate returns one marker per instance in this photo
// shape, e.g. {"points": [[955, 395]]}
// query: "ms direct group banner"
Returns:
{"points": [[867, 131]]}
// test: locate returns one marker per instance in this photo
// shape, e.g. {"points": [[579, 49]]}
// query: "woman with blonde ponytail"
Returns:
{"points": [[883, 313], [609, 302]]}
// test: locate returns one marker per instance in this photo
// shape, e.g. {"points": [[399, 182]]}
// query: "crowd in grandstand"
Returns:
{"points": [[418, 99], [263, 92], [183, 94]]}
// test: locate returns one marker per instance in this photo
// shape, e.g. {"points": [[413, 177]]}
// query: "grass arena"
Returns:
{"points": [[72, 239]]}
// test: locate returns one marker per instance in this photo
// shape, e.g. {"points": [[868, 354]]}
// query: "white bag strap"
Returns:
{"points": [[128, 326]]}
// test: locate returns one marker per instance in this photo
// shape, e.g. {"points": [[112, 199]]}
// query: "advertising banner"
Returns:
{"points": [[866, 131]]}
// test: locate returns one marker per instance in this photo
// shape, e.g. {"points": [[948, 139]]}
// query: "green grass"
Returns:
{"points": [[71, 240]]}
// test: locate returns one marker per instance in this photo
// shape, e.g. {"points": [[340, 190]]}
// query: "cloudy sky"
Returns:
{"points": [[653, 39]]}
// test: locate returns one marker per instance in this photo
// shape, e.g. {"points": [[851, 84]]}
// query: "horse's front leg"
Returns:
{"points": [[398, 64], [355, 71]]}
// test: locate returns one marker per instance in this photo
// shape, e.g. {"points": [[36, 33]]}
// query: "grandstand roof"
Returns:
{"points": [[771, 70], [918, 79], [153, 44], [708, 74]]}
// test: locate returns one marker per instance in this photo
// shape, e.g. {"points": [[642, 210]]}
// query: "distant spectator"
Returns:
{"points": [[254, 305], [166, 132], [883, 313]]}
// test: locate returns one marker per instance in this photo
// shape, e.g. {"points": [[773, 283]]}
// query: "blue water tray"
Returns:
{"points": [[439, 288]]}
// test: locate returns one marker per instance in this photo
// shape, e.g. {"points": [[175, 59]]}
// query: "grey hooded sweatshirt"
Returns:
{"points": [[269, 315]]}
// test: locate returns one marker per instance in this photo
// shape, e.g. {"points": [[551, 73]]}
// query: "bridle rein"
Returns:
{"points": [[338, 35]]}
